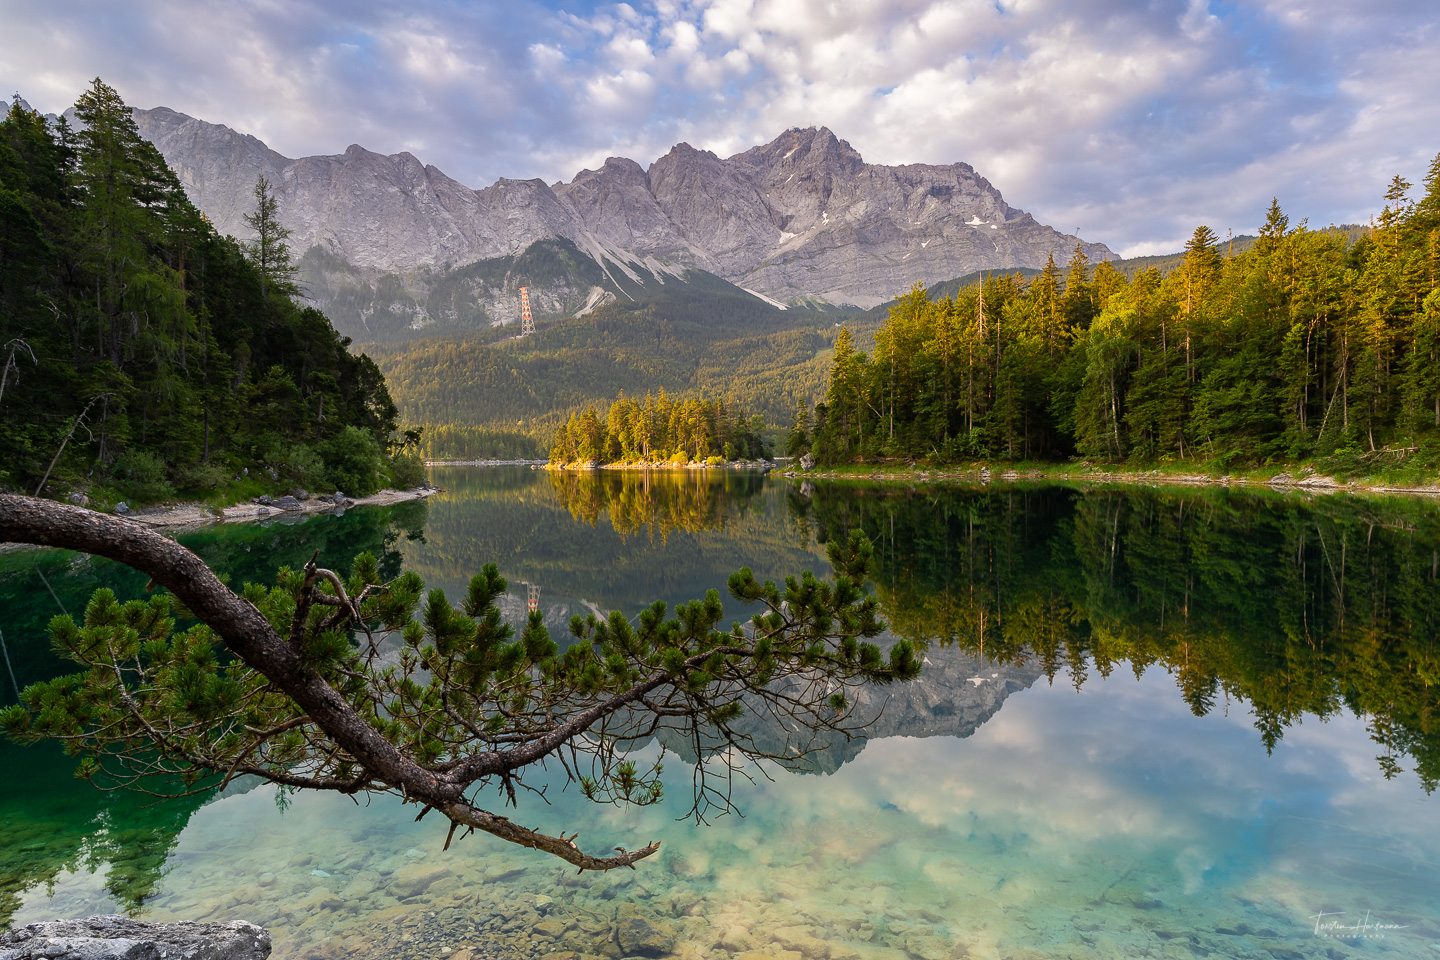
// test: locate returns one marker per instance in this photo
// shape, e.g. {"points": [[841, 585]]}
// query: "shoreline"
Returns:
{"points": [[485, 463], [183, 515], [659, 466], [1305, 482], [180, 517], [984, 476]]}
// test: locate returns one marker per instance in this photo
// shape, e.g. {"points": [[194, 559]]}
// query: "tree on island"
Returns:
{"points": [[313, 700]]}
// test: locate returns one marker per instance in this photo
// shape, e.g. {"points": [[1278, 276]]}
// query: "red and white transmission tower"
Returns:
{"points": [[534, 598], [527, 322]]}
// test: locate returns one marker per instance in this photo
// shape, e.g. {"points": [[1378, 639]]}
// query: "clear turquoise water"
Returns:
{"points": [[1083, 772]]}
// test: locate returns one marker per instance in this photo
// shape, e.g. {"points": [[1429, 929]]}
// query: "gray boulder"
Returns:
{"points": [[122, 508], [288, 503], [120, 938], [807, 462]]}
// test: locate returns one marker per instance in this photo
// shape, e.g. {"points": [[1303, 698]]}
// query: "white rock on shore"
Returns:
{"points": [[120, 938], [194, 514]]}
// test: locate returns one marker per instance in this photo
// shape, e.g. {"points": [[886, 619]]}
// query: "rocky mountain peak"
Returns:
{"points": [[623, 166], [683, 152], [619, 210], [801, 216], [813, 147], [621, 169]]}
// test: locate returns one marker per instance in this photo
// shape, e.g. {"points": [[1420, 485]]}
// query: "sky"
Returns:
{"points": [[1130, 122]]}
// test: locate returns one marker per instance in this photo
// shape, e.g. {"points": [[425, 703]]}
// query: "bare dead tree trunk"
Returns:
{"points": [[75, 425], [15, 346]]}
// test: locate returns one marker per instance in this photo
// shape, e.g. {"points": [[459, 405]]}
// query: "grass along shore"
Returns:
{"points": [[1294, 478], [1298, 478]]}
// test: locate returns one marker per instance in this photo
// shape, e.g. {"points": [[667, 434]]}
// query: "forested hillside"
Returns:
{"points": [[144, 354], [1305, 344], [479, 299], [703, 336]]}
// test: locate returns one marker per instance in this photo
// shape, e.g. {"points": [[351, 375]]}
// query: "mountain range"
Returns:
{"points": [[800, 220]]}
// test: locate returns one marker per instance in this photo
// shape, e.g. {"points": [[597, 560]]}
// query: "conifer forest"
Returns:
{"points": [[1306, 344]]}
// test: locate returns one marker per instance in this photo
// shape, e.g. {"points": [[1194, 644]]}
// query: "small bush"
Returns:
{"points": [[140, 475], [407, 471], [304, 466], [352, 462], [201, 477]]}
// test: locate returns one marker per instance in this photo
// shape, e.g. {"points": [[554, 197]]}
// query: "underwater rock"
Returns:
{"points": [[120, 938], [415, 879], [639, 936]]}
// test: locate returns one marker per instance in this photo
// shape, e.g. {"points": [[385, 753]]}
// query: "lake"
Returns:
{"points": [[1194, 723]]}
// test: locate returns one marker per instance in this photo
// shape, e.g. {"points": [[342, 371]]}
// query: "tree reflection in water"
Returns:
{"points": [[1293, 606]]}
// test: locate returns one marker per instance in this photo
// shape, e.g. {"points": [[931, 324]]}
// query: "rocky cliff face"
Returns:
{"points": [[619, 208], [850, 229], [802, 216], [388, 213], [217, 165]]}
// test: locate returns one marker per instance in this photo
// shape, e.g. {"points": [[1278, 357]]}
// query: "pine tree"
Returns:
{"points": [[269, 249], [1079, 300], [846, 402]]}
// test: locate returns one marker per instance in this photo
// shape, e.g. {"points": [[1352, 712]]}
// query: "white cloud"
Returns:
{"points": [[546, 57], [682, 38], [624, 92], [1133, 121], [431, 57], [728, 18], [631, 53]]}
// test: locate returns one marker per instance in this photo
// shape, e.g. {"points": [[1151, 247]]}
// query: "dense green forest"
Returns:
{"points": [[658, 428], [143, 354], [1305, 344]]}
